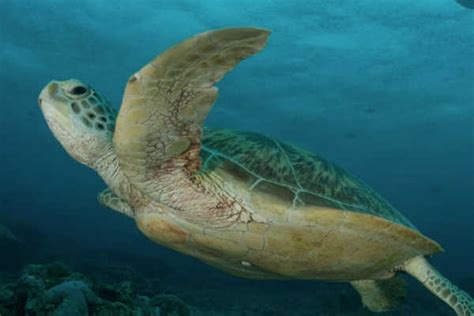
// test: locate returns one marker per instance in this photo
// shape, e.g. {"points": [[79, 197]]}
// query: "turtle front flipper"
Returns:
{"points": [[110, 199], [381, 295], [158, 129], [460, 301]]}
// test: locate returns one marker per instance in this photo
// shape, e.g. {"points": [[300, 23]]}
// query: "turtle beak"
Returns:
{"points": [[52, 103], [48, 91]]}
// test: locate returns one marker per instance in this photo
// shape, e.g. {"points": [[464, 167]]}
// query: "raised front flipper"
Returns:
{"points": [[110, 199], [158, 130]]}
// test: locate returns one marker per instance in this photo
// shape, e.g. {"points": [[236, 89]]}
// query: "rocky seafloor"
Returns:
{"points": [[54, 289], [79, 281]]}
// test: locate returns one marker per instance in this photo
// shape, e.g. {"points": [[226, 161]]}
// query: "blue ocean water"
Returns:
{"points": [[385, 89]]}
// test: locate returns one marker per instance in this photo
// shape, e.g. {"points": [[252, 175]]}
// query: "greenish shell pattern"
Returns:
{"points": [[296, 176]]}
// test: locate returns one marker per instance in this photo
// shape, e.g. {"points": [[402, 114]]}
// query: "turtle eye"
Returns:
{"points": [[78, 90]]}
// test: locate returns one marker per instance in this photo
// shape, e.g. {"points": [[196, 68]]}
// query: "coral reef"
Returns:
{"points": [[54, 290]]}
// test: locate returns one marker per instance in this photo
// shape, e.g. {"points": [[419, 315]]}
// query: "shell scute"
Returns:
{"points": [[287, 177]]}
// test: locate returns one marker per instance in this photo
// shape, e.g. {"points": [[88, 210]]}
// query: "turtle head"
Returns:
{"points": [[80, 119]]}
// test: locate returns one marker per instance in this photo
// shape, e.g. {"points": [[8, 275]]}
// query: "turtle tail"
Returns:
{"points": [[457, 299]]}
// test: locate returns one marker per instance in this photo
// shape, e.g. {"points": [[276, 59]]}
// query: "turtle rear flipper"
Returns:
{"points": [[460, 301], [381, 295]]}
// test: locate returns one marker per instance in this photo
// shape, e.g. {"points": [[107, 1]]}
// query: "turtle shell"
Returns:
{"points": [[268, 168]]}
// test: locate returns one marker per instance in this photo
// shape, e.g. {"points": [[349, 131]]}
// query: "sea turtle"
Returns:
{"points": [[248, 204]]}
